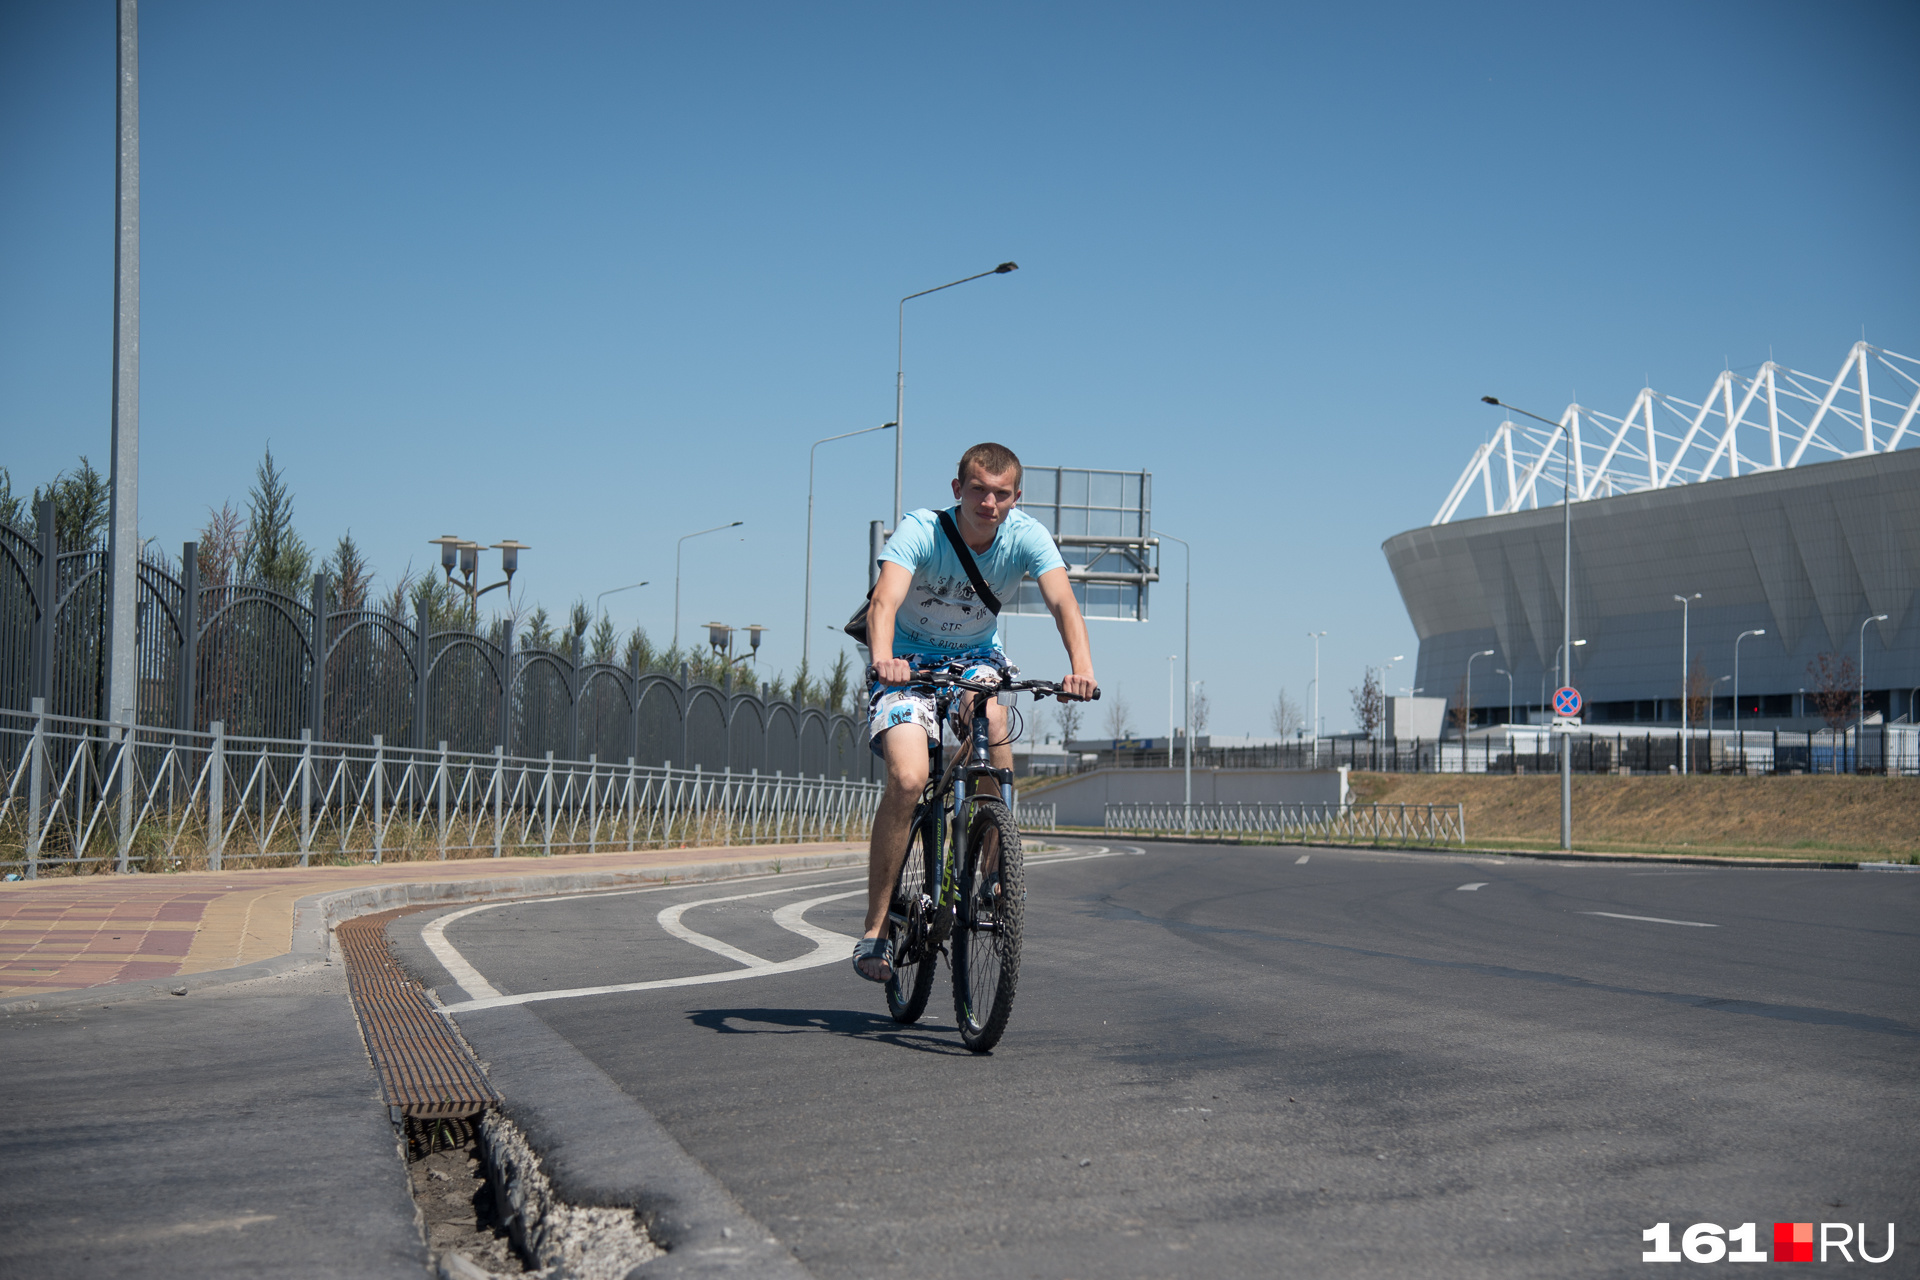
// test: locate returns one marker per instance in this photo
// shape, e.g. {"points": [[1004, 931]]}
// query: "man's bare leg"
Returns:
{"points": [[905, 746]]}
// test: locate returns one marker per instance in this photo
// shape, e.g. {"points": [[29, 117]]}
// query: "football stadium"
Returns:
{"points": [[1783, 509]]}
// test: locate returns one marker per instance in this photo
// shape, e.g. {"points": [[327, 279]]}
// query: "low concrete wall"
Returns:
{"points": [[1081, 801]]}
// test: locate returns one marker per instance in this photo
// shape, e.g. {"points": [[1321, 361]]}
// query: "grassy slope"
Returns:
{"points": [[1796, 816]]}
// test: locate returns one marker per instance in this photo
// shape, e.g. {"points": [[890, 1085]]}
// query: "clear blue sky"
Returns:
{"points": [[595, 275]]}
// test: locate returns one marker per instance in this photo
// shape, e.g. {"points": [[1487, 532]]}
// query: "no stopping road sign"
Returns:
{"points": [[1566, 702]]}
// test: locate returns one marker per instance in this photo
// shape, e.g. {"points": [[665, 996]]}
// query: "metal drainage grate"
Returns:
{"points": [[424, 1067]]}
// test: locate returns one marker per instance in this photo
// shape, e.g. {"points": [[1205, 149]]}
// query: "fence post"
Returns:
{"points": [[499, 798], [48, 590], [573, 698], [187, 691], [546, 842], [506, 693], [633, 717], [593, 801], [217, 795], [306, 795], [379, 798], [127, 759], [317, 692], [36, 787], [441, 780], [421, 621], [632, 802]]}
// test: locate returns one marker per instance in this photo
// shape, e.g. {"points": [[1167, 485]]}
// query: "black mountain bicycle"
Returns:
{"points": [[970, 908]]}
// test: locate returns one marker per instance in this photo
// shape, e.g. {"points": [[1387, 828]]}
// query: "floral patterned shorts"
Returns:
{"points": [[891, 705]]}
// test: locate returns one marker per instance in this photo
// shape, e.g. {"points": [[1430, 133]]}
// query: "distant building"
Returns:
{"points": [[1671, 499]]}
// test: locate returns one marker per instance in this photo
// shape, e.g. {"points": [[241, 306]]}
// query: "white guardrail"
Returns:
{"points": [[1428, 823], [85, 793], [1033, 816]]}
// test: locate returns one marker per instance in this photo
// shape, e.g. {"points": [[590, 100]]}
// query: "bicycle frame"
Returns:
{"points": [[950, 793]]}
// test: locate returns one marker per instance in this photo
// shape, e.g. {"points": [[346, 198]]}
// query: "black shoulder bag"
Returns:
{"points": [[857, 624]]}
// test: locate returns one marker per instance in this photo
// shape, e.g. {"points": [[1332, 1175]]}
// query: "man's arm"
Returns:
{"points": [[888, 594], [1057, 591]]}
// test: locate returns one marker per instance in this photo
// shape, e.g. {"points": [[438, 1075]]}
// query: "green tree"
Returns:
{"points": [[604, 640], [538, 632], [349, 573], [13, 508], [840, 685], [274, 553], [639, 655]]}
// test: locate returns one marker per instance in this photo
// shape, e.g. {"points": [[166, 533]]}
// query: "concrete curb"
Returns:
{"points": [[317, 915], [1551, 855]]}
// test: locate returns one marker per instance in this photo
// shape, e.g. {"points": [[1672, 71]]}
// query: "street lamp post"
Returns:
{"points": [[613, 591], [900, 377], [455, 550], [1566, 608], [1313, 730], [806, 630], [1187, 644], [1171, 659], [1860, 728], [1740, 744], [1686, 747], [676, 571], [1502, 671], [1466, 714]]}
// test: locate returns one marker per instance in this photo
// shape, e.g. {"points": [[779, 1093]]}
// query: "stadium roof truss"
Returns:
{"points": [[1771, 419]]}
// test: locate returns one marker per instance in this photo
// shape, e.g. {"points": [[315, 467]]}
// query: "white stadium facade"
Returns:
{"points": [[1789, 502]]}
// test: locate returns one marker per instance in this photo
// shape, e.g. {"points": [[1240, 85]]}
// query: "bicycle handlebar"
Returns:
{"points": [[1040, 689]]}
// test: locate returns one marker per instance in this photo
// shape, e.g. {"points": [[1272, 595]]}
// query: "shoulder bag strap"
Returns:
{"points": [[960, 547]]}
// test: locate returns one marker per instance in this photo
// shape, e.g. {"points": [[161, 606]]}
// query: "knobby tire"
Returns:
{"points": [[986, 945], [914, 957]]}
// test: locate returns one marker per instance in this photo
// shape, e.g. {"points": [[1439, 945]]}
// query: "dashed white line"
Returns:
{"points": [[1615, 915], [1477, 884], [1301, 861]]}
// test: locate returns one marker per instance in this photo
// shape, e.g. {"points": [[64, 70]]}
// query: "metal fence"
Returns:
{"points": [[85, 794], [1877, 749], [1033, 816], [1425, 823], [269, 665]]}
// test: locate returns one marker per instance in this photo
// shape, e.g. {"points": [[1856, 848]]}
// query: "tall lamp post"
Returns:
{"points": [[806, 631], [1686, 747], [1502, 671], [1187, 645], [1566, 605], [900, 376], [1860, 731], [613, 591], [1313, 729], [1466, 716], [466, 555], [676, 571], [1740, 744]]}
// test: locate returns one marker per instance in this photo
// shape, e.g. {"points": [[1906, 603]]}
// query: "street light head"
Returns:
{"points": [[1484, 653], [448, 545], [510, 555], [1878, 617], [718, 635], [1578, 643], [469, 558], [1490, 399], [753, 636], [1005, 267]]}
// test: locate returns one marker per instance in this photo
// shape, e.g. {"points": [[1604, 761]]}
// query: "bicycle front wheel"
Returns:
{"points": [[986, 946], [914, 955]]}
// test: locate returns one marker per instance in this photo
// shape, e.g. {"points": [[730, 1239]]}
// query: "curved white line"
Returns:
{"points": [[468, 977], [824, 938], [669, 919]]}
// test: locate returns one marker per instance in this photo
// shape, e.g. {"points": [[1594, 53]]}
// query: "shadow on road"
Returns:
{"points": [[858, 1024]]}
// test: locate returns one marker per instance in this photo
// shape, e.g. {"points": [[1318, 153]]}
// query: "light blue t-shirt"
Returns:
{"points": [[941, 613]]}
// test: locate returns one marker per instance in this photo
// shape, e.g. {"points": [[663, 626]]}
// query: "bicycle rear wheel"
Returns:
{"points": [[986, 946], [914, 955]]}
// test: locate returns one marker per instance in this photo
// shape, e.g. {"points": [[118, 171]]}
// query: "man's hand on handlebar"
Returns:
{"points": [[893, 671], [1081, 687]]}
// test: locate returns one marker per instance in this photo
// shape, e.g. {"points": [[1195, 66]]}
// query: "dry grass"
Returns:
{"points": [[1790, 817]]}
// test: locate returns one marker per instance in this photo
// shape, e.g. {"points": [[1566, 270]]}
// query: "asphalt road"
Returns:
{"points": [[1252, 1062]]}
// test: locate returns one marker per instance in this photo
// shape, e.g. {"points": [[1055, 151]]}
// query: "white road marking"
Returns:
{"points": [[1615, 915], [791, 918], [1477, 884], [786, 917], [1301, 861]]}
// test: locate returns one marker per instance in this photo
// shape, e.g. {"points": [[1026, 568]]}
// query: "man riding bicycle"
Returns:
{"points": [[924, 611]]}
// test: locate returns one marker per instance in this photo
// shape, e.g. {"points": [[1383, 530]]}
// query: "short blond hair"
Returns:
{"points": [[992, 459]]}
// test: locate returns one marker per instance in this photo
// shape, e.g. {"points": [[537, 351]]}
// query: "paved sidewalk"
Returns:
{"points": [[88, 931]]}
